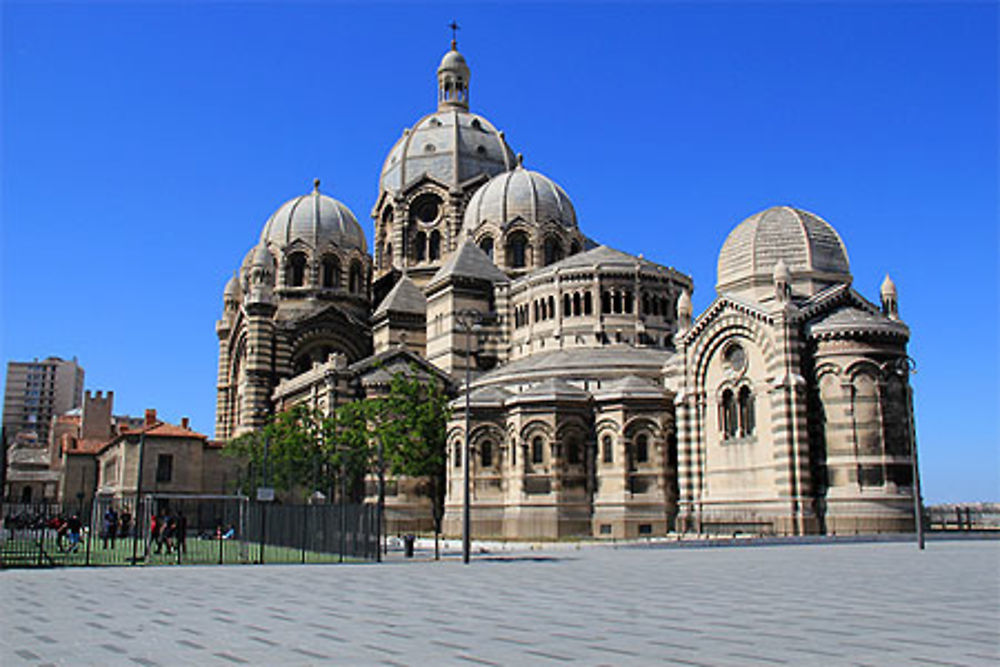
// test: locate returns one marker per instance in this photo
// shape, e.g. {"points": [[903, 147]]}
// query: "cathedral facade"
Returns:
{"points": [[599, 405]]}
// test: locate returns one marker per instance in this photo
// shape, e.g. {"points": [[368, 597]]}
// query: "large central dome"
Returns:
{"points": [[451, 145]]}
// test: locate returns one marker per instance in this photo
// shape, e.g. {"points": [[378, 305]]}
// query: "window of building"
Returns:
{"points": [[486, 451], [588, 306], [434, 246], [605, 303], [356, 281], [420, 247], [728, 416], [747, 416], [517, 245], [576, 303], [297, 269], [537, 450], [567, 305], [553, 251], [628, 302], [164, 467], [331, 270], [457, 455], [573, 451], [642, 448], [486, 245], [608, 449]]}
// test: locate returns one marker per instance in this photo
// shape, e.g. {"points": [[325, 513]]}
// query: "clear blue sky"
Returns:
{"points": [[144, 145]]}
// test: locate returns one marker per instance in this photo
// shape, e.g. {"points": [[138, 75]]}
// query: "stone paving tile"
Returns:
{"points": [[846, 604]]}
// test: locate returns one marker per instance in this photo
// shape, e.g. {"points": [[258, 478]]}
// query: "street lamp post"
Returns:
{"points": [[903, 367], [470, 320]]}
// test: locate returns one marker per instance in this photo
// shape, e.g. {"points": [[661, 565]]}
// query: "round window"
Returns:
{"points": [[427, 209], [736, 358]]}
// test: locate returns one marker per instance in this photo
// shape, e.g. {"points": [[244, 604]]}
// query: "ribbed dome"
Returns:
{"points": [[431, 147], [314, 219], [455, 62], [810, 247], [519, 194]]}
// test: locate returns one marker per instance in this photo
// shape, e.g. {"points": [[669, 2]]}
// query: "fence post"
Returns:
{"points": [[305, 522]]}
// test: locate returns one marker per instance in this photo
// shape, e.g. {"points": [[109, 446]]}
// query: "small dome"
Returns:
{"points": [[232, 290], [314, 219], [519, 194], [888, 287], [810, 247], [453, 61], [261, 256]]}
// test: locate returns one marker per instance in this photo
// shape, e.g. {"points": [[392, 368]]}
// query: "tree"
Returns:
{"points": [[411, 422]]}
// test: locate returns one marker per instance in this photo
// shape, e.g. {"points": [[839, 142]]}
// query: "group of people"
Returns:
{"points": [[115, 525], [169, 531]]}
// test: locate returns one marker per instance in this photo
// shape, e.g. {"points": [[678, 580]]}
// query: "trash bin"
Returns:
{"points": [[408, 541]]}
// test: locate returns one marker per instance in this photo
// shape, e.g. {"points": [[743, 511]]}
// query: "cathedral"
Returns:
{"points": [[599, 405]]}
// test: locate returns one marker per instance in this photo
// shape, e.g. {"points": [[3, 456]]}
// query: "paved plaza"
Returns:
{"points": [[835, 604]]}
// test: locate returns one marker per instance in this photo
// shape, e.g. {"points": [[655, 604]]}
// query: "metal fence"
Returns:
{"points": [[162, 529]]}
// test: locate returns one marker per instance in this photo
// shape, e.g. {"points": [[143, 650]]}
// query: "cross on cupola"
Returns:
{"points": [[453, 76]]}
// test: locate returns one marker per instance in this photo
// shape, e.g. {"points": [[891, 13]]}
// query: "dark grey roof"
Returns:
{"points": [[483, 397], [405, 297], [603, 256], [469, 261], [851, 319], [610, 361], [551, 389], [630, 386]]}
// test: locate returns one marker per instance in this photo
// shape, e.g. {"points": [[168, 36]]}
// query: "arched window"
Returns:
{"points": [[628, 302], [663, 306], [747, 417], [552, 306], [574, 247], [645, 304], [434, 250], [331, 271], [356, 284], [642, 448], [387, 258], [486, 452], [486, 245], [296, 269], [517, 247], [588, 306], [536, 309], [567, 305], [420, 247], [537, 450], [576, 303], [573, 451], [605, 303], [545, 310], [553, 250], [608, 449], [457, 455], [654, 305], [616, 301], [728, 415]]}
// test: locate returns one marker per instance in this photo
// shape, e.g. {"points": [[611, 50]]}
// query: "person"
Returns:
{"points": [[125, 524], [181, 533], [168, 530], [109, 529], [74, 526], [59, 524], [155, 525]]}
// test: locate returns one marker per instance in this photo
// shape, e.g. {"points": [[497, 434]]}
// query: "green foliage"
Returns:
{"points": [[303, 450]]}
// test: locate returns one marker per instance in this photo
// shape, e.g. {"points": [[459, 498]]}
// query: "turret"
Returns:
{"points": [[684, 312], [890, 300], [782, 281]]}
